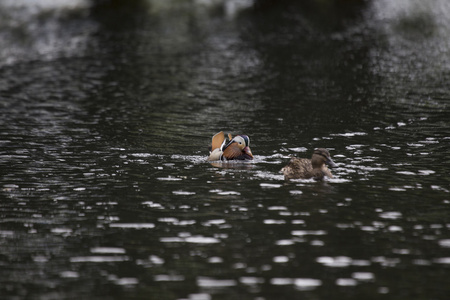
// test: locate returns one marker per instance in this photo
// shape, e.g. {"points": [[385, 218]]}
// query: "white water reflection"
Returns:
{"points": [[201, 240], [346, 282], [98, 259], [224, 193], [280, 259], [169, 178], [274, 222], [183, 193], [190, 239], [154, 205], [69, 274], [184, 223], [199, 296], [214, 222], [442, 260], [349, 134], [62, 231], [109, 250], [132, 225], [444, 243], [308, 232], [285, 242], [392, 215], [164, 277], [207, 282], [363, 276], [305, 284], [251, 280], [295, 192], [270, 185], [125, 280]]}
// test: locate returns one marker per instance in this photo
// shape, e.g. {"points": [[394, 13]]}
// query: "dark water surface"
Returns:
{"points": [[105, 118]]}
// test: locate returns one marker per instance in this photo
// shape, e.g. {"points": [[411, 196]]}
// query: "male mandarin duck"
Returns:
{"points": [[303, 168], [236, 148]]}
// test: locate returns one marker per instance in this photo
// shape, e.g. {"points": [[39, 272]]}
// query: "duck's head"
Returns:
{"points": [[244, 144], [242, 139], [320, 157]]}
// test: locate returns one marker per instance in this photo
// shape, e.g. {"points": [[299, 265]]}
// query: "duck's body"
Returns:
{"points": [[236, 148], [303, 168]]}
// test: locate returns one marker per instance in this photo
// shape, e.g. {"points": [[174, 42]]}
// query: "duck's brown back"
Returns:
{"points": [[301, 168], [298, 168]]}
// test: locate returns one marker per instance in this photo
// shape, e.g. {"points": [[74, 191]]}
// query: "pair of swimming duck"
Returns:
{"points": [[238, 148]]}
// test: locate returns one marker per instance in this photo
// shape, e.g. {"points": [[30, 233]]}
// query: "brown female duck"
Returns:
{"points": [[303, 168]]}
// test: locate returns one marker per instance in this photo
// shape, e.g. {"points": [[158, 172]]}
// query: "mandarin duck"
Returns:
{"points": [[236, 148], [303, 168]]}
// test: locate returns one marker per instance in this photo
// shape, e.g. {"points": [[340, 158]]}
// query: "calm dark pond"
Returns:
{"points": [[106, 113]]}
